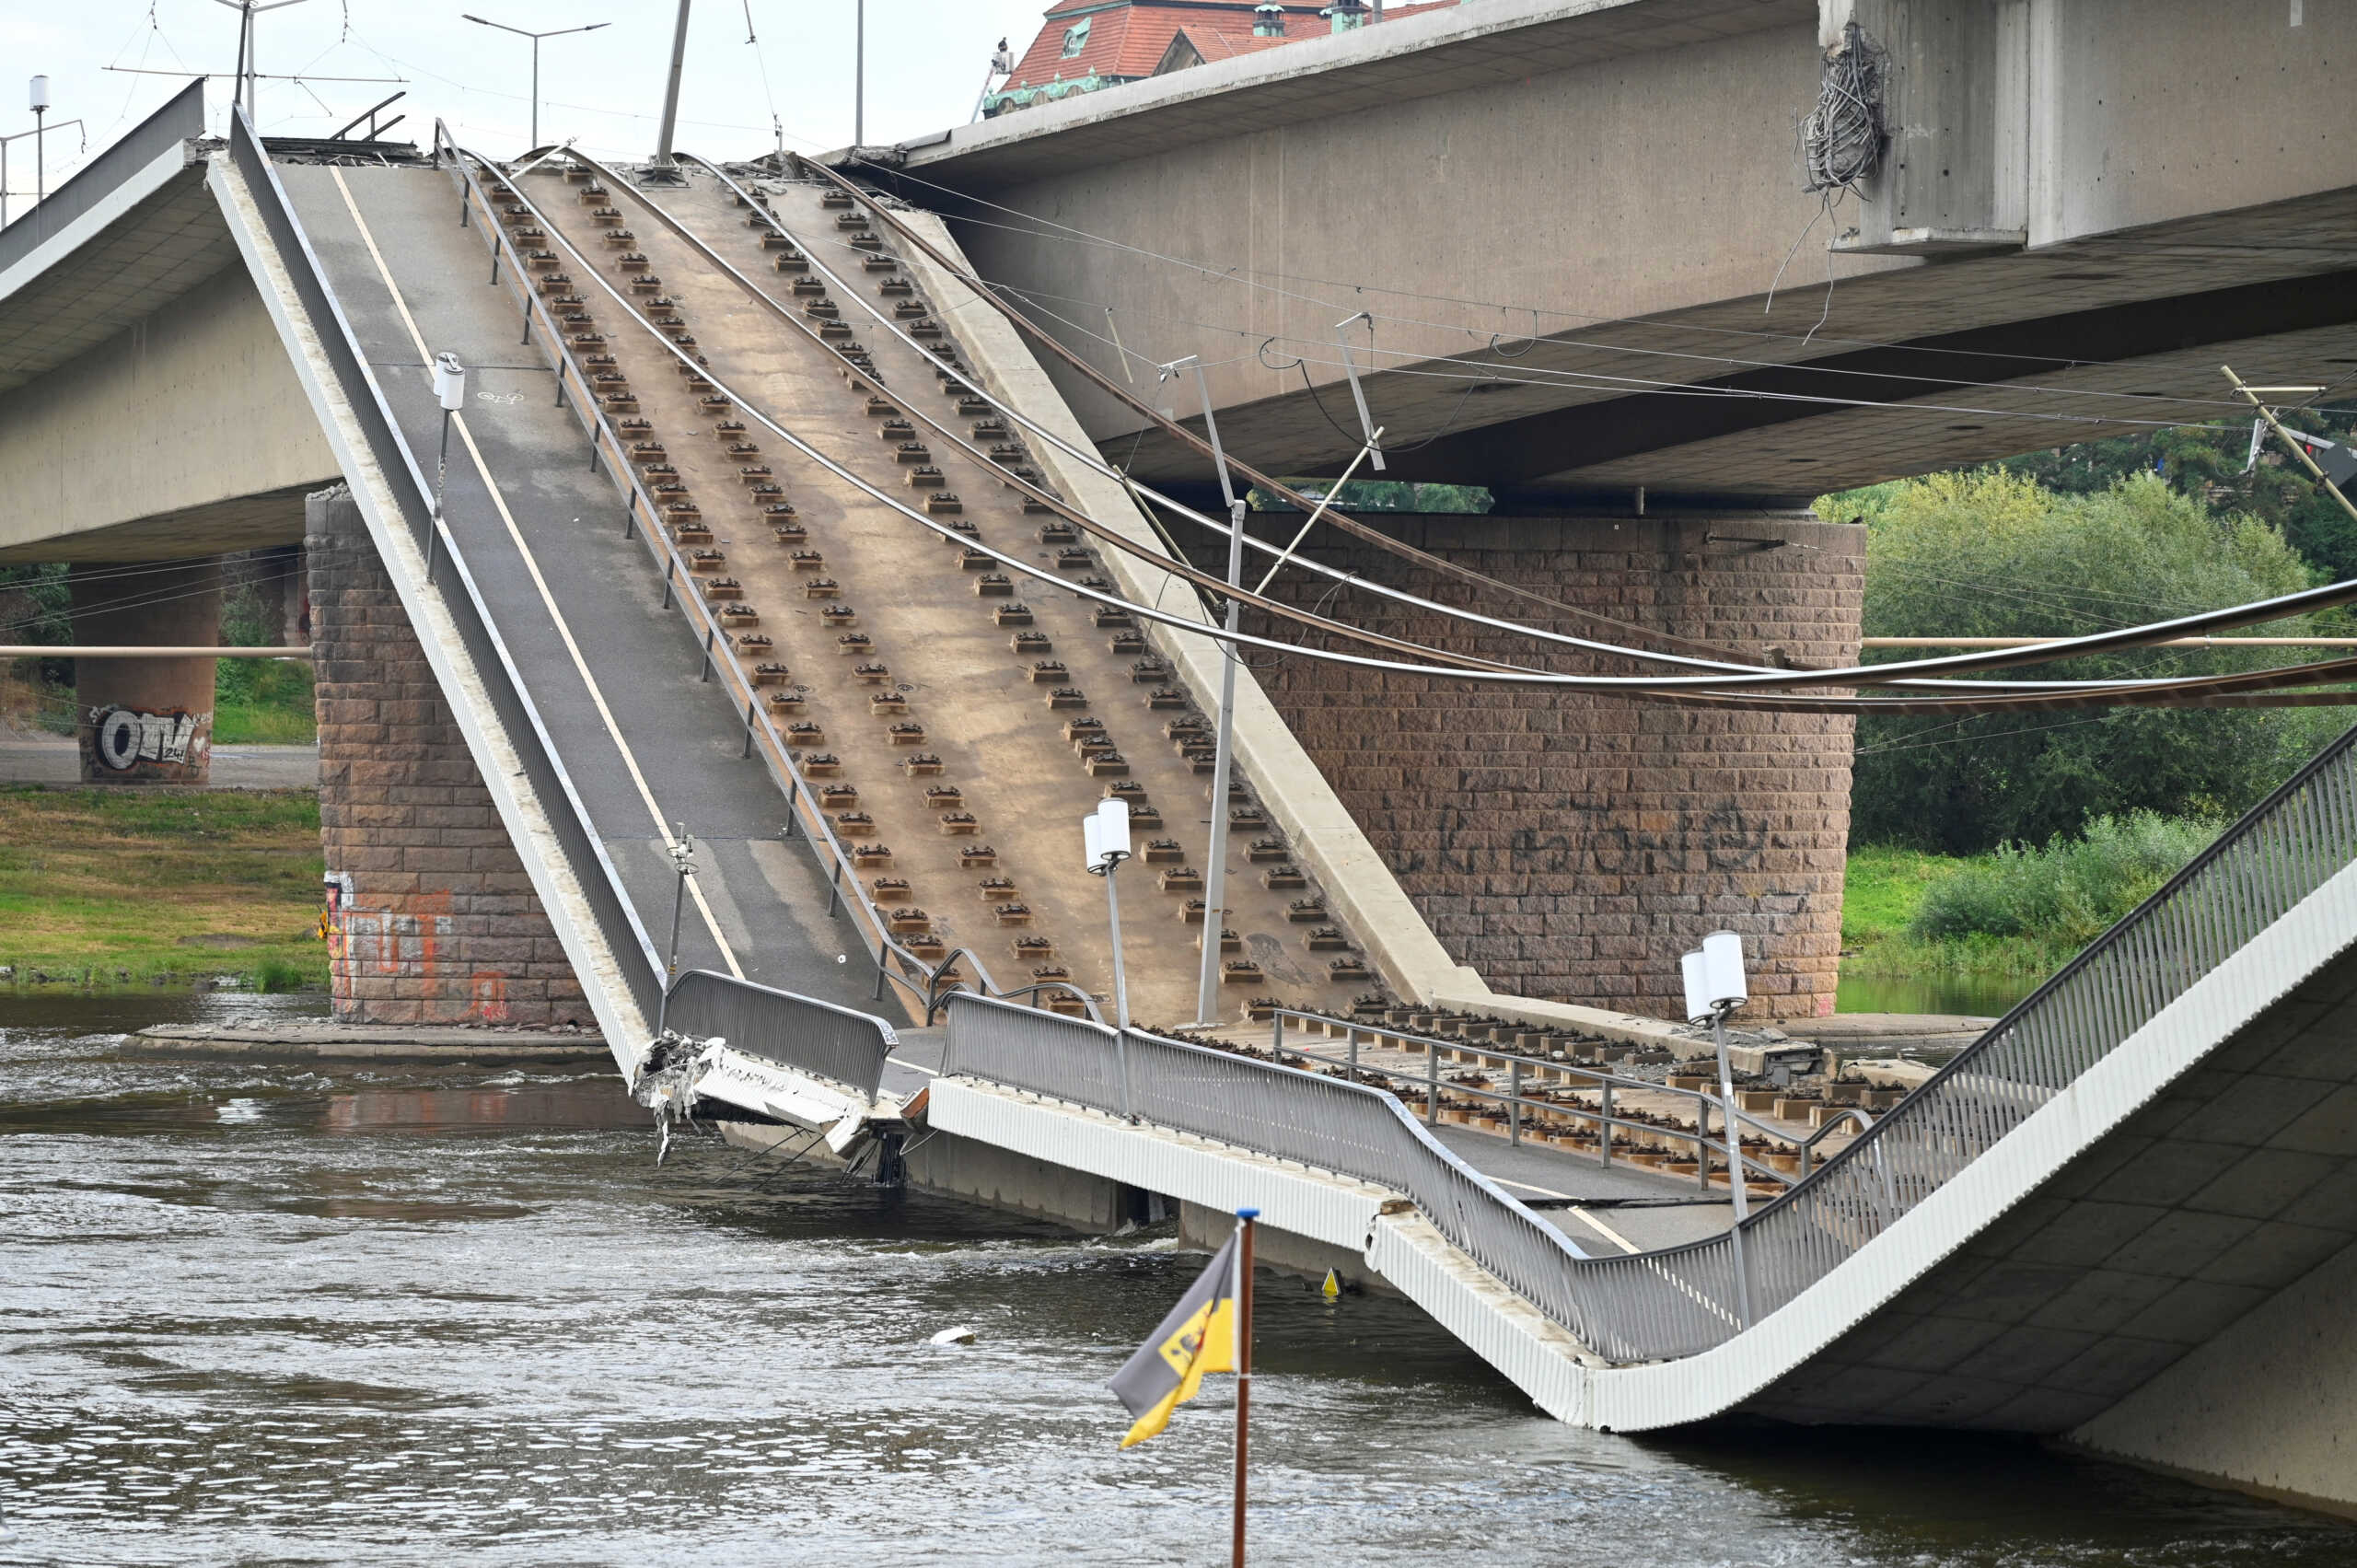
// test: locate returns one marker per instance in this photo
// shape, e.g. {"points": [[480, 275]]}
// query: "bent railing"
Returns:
{"points": [[2282, 850], [1681, 1301], [796, 1031], [1324, 1123]]}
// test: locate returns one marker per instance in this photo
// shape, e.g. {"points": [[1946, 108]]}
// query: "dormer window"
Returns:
{"points": [[1076, 37]]}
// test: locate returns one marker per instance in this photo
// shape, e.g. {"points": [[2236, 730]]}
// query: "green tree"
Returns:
{"points": [[1993, 553], [2207, 462]]}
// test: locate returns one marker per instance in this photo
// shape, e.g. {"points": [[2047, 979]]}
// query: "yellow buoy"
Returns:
{"points": [[1332, 1289]]}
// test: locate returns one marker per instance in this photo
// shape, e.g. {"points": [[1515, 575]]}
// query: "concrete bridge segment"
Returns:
{"points": [[2079, 200]]}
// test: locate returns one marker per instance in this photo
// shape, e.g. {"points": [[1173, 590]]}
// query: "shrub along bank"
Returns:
{"points": [[2020, 909]]}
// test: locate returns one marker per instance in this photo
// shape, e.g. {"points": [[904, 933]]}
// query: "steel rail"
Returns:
{"points": [[1219, 586], [2347, 591], [1693, 690], [1596, 1079], [717, 647], [1166, 561]]}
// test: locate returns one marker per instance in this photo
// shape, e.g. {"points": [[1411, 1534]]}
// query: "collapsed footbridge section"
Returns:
{"points": [[802, 572]]}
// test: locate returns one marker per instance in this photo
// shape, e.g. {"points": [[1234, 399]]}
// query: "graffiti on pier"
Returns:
{"points": [[123, 738]]}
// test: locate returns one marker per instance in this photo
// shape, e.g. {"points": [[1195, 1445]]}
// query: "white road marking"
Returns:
{"points": [[630, 761]]}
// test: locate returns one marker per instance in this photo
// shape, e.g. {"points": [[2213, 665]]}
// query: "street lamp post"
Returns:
{"points": [[1715, 987], [535, 36], [1107, 833], [39, 135], [859, 75], [40, 140], [451, 391]]}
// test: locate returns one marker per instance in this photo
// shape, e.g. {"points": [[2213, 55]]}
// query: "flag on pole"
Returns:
{"points": [[1198, 1336]]}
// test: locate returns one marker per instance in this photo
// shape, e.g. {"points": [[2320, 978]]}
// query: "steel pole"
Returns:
{"points": [[1121, 993], [1735, 1184], [441, 472], [671, 88], [1216, 860], [535, 89], [40, 157], [1243, 1378], [859, 75], [681, 849]]}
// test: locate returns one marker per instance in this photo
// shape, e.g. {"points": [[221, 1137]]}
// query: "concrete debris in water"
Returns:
{"points": [[666, 1082], [960, 1335]]}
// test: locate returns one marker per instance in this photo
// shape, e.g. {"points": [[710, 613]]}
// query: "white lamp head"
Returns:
{"points": [[1698, 990], [1113, 828], [449, 382], [41, 95], [1092, 829], [1722, 970]]}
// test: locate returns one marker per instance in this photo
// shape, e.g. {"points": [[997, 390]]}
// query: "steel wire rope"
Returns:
{"points": [[1231, 275], [1348, 524], [1694, 690], [146, 602], [2101, 642], [1560, 378], [1093, 458]]}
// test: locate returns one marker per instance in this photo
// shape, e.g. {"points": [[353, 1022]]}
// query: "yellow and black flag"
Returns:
{"points": [[1198, 1336]]}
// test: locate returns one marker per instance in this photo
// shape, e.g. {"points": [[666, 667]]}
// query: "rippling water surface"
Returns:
{"points": [[279, 1314]]}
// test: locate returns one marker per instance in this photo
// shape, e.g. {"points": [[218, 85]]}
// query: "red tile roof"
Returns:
{"points": [[1127, 39]]}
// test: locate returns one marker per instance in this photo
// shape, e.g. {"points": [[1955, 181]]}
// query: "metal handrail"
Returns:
{"points": [[1681, 1301], [1605, 1082], [1312, 1119], [567, 817], [822, 1038], [718, 652], [2281, 851]]}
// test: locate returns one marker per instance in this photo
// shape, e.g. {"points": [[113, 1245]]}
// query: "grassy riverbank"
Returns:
{"points": [[2019, 911], [1881, 899], [130, 887]]}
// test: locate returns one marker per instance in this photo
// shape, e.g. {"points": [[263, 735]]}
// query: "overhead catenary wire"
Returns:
{"points": [[1876, 674], [1672, 688], [1358, 289]]}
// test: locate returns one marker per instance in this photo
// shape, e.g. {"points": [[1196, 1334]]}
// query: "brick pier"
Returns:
{"points": [[435, 919], [1570, 847]]}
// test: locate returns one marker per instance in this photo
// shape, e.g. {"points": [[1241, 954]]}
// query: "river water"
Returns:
{"points": [[276, 1314]]}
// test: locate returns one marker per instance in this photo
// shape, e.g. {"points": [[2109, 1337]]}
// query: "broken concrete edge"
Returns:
{"points": [[1359, 887], [626, 1031]]}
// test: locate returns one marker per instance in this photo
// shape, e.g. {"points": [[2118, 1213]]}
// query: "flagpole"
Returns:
{"points": [[1243, 1368]]}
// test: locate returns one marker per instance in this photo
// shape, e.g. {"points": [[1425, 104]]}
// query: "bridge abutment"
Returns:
{"points": [[1570, 846], [146, 720], [433, 917]]}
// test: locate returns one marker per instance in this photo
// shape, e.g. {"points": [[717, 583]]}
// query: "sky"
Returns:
{"points": [[925, 60]]}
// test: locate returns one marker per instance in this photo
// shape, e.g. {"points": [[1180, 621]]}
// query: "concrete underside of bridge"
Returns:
{"points": [[1581, 232], [2176, 1296]]}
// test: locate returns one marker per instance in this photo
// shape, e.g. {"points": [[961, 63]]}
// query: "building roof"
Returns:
{"points": [[1119, 41]]}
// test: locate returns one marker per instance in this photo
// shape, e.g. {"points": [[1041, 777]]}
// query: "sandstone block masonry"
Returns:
{"points": [[1570, 847], [433, 919]]}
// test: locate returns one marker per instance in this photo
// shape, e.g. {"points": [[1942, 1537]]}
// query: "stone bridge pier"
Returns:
{"points": [[1570, 846]]}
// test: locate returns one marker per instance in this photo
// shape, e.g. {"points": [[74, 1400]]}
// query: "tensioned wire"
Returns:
{"points": [[1070, 233], [143, 602], [1342, 521], [1433, 365], [1692, 690], [1090, 456], [893, 326]]}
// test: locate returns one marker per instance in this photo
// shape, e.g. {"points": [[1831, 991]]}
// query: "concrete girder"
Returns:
{"points": [[1642, 189]]}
